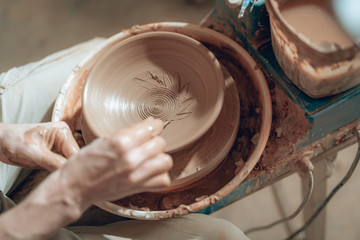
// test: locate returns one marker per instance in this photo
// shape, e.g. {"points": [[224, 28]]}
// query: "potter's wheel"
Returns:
{"points": [[194, 161], [213, 184]]}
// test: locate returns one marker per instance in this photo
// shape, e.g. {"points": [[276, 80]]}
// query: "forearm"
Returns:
{"points": [[49, 207]]}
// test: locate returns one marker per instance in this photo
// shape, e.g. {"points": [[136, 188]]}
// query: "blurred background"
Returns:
{"points": [[31, 30]]}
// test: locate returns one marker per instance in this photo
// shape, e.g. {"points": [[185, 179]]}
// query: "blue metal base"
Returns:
{"points": [[253, 29], [338, 113]]}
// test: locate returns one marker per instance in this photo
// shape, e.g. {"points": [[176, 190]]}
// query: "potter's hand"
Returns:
{"points": [[36, 145], [131, 161]]}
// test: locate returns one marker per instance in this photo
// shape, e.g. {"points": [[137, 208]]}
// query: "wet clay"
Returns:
{"points": [[314, 20], [288, 130]]}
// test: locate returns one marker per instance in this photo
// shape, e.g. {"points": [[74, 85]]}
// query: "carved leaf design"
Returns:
{"points": [[183, 92], [176, 82], [167, 81], [144, 83], [151, 81], [173, 83], [180, 116], [155, 78], [185, 105]]}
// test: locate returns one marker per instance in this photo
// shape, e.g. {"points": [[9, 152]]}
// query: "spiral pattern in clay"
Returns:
{"points": [[159, 103]]}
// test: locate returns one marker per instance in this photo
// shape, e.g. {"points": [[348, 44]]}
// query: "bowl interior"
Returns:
{"points": [[160, 74]]}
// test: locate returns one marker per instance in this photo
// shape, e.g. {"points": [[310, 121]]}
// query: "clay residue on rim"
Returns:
{"points": [[72, 111], [288, 129]]}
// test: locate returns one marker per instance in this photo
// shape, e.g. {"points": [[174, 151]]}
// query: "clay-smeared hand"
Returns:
{"points": [[44, 145], [131, 161]]}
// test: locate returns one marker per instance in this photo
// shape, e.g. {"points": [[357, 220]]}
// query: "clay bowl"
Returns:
{"points": [[164, 75]]}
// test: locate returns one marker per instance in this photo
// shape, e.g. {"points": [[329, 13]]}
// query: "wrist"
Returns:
{"points": [[48, 208], [59, 193]]}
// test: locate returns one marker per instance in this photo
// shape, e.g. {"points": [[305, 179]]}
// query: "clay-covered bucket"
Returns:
{"points": [[318, 68]]}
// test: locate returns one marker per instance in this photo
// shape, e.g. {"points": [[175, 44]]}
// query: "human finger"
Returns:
{"points": [[147, 150], [68, 143], [140, 133], [51, 161], [63, 139], [157, 183], [152, 167]]}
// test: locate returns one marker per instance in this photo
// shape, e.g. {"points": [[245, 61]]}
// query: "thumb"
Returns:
{"points": [[65, 141], [69, 146], [51, 161]]}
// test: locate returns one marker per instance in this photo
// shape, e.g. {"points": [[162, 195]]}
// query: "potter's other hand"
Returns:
{"points": [[44, 145], [131, 161]]}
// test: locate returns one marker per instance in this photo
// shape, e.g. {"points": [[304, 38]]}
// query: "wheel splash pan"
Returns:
{"points": [[250, 142]]}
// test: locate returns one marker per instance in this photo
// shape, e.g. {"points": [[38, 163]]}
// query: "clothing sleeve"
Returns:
{"points": [[190, 227], [28, 94]]}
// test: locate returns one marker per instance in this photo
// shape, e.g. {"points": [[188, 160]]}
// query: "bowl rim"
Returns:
{"points": [[211, 61]]}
